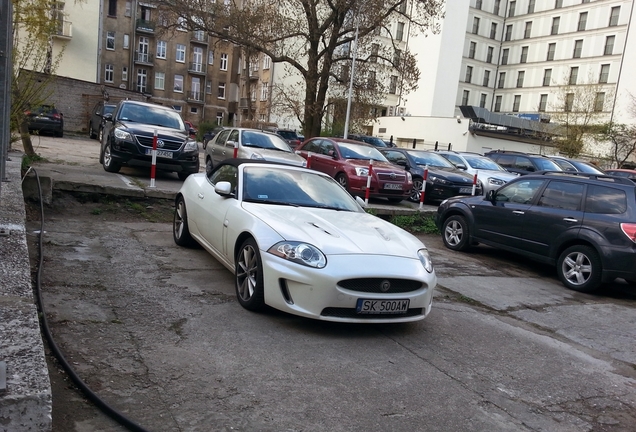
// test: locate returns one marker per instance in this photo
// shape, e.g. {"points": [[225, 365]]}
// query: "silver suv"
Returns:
{"points": [[490, 173]]}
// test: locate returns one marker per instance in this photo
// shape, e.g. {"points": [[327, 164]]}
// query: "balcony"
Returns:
{"points": [[64, 29], [199, 37], [243, 103], [144, 58], [195, 96], [196, 68], [145, 26], [254, 74]]}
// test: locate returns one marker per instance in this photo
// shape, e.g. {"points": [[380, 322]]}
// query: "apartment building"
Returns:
{"points": [[254, 105], [190, 71]]}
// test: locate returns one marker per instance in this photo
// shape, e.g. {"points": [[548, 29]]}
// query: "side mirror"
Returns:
{"points": [[223, 188], [531, 169], [108, 117], [461, 166], [403, 163], [361, 202], [230, 144], [490, 196], [333, 154]]}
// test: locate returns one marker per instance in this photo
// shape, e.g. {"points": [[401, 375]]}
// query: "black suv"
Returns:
{"points": [[522, 163], [585, 224], [129, 133], [96, 122]]}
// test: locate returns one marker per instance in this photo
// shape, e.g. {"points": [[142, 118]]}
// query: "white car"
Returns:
{"points": [[298, 242], [490, 173]]}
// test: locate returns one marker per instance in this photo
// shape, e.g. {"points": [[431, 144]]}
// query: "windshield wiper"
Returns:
{"points": [[325, 206], [265, 201]]}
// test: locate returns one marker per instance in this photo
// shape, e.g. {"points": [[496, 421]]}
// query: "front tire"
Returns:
{"points": [[579, 268], [455, 233], [208, 166], [180, 229], [249, 276], [344, 182], [417, 189], [109, 164], [91, 132]]}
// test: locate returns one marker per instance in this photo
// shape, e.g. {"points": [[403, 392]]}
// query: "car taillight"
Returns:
{"points": [[57, 116], [630, 230], [27, 113]]}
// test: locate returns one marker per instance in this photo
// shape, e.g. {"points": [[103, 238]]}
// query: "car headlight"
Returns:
{"points": [[409, 177], [496, 181], [300, 253], [122, 134], [257, 156], [439, 180], [191, 146], [425, 259], [362, 172]]}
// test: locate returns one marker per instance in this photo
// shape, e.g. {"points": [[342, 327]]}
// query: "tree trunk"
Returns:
{"points": [[26, 139]]}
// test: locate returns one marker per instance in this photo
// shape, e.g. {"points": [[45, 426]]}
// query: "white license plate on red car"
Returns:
{"points": [[466, 190], [160, 153], [393, 186], [370, 306]]}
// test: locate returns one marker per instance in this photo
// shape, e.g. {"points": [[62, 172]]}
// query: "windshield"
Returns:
{"points": [[547, 165], [587, 168], [357, 151], [430, 159], [290, 135], [482, 163], [374, 141], [264, 141], [273, 185], [152, 116]]}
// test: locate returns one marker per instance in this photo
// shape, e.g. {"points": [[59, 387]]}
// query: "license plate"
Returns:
{"points": [[466, 190], [160, 153], [393, 186], [368, 306]]}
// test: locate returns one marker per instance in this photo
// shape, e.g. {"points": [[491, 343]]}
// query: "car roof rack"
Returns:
{"points": [[591, 176], [516, 152]]}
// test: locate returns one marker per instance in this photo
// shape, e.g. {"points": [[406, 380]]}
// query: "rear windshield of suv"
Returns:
{"points": [[547, 165], [605, 200]]}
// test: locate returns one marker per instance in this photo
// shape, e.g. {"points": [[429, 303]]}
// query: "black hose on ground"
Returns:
{"points": [[92, 396]]}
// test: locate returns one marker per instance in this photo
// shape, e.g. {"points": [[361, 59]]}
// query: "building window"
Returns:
{"points": [[609, 45], [223, 62], [374, 53], [486, 78], [504, 56], [393, 84], [498, 104], [569, 102], [469, 74], [491, 50], [502, 80], [543, 102], [558, 4], [599, 101], [211, 57], [124, 73], [524, 54], [508, 32], [128, 10], [142, 80], [475, 25], [160, 80], [496, 7], [511, 8], [531, 6], [110, 40], [267, 61], [516, 103], [528, 31], [482, 100], [477, 4], [126, 43], [578, 47], [616, 10], [208, 87], [181, 53], [264, 89], [471, 50], [194, 110], [178, 83], [177, 108], [109, 74], [547, 77], [221, 94], [112, 8], [493, 31], [219, 118], [555, 25], [551, 51], [520, 77], [574, 75], [603, 77], [397, 57], [161, 49], [399, 34], [465, 97], [582, 21]]}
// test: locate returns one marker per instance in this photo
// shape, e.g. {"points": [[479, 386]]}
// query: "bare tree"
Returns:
{"points": [[622, 139], [311, 36]]}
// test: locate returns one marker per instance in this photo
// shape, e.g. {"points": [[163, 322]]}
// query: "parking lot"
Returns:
{"points": [[156, 331]]}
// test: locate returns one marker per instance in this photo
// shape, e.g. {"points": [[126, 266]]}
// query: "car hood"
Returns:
{"points": [[274, 156], [376, 164], [451, 174], [337, 232], [149, 130], [507, 176]]}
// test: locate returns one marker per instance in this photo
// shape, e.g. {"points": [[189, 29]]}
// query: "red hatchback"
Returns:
{"points": [[348, 162]]}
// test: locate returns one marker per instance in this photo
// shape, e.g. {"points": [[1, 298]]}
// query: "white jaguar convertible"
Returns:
{"points": [[298, 242]]}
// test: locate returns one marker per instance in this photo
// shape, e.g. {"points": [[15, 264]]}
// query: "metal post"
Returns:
{"points": [[449, 146], [353, 69], [6, 73], [414, 141]]}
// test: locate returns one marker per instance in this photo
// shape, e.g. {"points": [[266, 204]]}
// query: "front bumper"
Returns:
{"points": [[436, 191], [377, 189], [131, 154]]}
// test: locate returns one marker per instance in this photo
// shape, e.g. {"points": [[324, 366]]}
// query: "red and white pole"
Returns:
{"points": [[235, 149], [423, 190], [474, 183], [308, 159], [153, 167], [368, 190]]}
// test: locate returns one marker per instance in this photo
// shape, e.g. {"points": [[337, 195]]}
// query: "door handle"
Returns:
{"points": [[569, 219], [200, 195], [519, 212]]}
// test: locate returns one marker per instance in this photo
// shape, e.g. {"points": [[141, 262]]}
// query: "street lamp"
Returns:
{"points": [[353, 69]]}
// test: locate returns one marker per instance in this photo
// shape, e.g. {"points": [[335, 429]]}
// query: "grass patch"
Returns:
{"points": [[416, 223], [28, 160]]}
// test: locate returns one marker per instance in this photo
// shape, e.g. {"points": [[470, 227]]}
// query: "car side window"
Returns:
{"points": [[395, 156], [312, 146], [562, 195], [605, 200], [521, 192], [523, 163], [456, 160], [506, 161], [234, 137], [228, 173], [326, 147], [221, 137]]}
